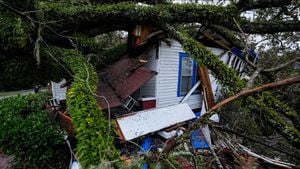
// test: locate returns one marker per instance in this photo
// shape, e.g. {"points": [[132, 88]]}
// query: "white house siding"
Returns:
{"points": [[164, 85], [58, 92], [149, 89], [167, 78]]}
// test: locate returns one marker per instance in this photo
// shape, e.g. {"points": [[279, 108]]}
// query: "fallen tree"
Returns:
{"points": [[28, 29], [244, 93]]}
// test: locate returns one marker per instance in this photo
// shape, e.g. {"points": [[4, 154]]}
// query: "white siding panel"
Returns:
{"points": [[194, 101], [148, 89], [167, 78], [152, 60], [58, 92]]}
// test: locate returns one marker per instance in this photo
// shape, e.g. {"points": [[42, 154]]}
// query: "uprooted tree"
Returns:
{"points": [[36, 35]]}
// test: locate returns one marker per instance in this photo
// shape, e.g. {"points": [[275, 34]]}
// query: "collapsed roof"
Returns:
{"points": [[120, 80]]}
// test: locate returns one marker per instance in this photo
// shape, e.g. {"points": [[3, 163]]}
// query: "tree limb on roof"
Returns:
{"points": [[227, 34], [85, 18], [233, 85]]}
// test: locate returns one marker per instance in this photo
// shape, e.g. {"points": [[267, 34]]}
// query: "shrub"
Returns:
{"points": [[27, 133]]}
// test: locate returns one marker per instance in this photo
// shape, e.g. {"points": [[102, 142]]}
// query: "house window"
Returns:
{"points": [[187, 74]]}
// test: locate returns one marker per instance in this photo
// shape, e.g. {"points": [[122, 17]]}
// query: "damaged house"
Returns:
{"points": [[159, 75], [157, 90]]}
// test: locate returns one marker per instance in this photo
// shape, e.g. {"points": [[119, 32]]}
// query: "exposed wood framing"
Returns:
{"points": [[206, 87]]}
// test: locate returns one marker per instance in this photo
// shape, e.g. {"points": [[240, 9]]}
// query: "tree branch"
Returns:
{"points": [[117, 1], [227, 34], [246, 92], [253, 77], [271, 113], [116, 14], [281, 65], [110, 15], [245, 5], [258, 71], [228, 130], [281, 108], [37, 45], [266, 27]]}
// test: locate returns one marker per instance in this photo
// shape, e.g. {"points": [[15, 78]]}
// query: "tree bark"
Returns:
{"points": [[247, 92], [86, 18], [245, 5], [281, 66]]}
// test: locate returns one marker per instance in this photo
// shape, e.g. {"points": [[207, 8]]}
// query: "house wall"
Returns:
{"points": [[58, 92], [167, 78], [164, 85], [149, 89]]}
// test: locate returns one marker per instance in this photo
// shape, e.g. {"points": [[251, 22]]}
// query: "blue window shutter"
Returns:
{"points": [[194, 72], [179, 73]]}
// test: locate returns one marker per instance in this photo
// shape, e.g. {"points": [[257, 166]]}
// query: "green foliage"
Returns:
{"points": [[21, 72], [233, 84], [89, 44], [27, 133], [21, 5], [226, 76], [283, 108], [98, 44], [13, 31], [108, 56], [14, 74], [242, 119], [95, 141], [102, 50], [282, 126], [66, 8], [129, 11]]}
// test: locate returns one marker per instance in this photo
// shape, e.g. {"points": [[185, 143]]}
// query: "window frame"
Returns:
{"points": [[194, 73]]}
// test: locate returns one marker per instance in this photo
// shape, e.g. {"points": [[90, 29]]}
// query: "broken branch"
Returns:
{"points": [[37, 45], [228, 130], [258, 71], [281, 65], [246, 92], [245, 5]]}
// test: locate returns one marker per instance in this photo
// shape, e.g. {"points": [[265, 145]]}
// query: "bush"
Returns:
{"points": [[27, 133]]}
